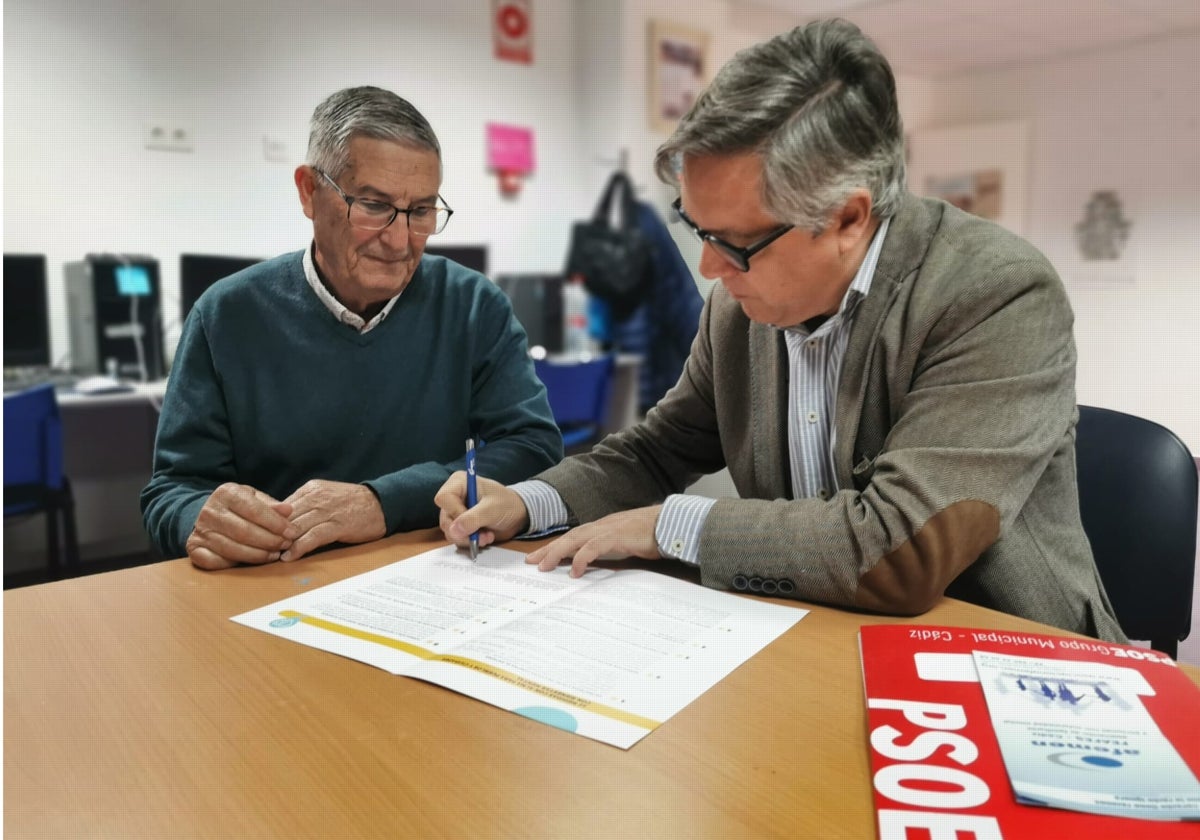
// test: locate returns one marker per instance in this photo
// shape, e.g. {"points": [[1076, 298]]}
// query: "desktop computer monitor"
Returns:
{"points": [[537, 301], [471, 256], [199, 271], [26, 312]]}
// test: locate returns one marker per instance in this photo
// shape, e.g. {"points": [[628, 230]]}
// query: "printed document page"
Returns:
{"points": [[610, 655]]}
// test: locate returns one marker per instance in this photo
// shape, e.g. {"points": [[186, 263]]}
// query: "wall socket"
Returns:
{"points": [[166, 137], [276, 150]]}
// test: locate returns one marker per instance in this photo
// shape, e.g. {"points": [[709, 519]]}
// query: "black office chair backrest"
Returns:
{"points": [[1138, 500]]}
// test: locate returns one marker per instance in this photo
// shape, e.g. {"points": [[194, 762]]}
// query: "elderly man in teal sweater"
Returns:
{"points": [[323, 396]]}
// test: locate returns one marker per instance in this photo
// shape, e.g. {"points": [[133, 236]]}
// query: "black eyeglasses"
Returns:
{"points": [[368, 214], [739, 258]]}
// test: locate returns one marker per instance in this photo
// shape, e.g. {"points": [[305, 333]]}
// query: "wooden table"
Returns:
{"points": [[133, 707]]}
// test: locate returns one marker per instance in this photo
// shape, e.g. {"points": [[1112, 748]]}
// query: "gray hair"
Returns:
{"points": [[364, 112], [818, 104]]}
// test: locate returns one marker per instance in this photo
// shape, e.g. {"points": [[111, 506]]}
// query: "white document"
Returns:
{"points": [[1075, 735], [610, 655]]}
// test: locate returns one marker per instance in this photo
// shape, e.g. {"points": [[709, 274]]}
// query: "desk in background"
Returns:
{"points": [[133, 707]]}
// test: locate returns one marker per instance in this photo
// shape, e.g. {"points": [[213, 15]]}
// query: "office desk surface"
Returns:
{"points": [[133, 707]]}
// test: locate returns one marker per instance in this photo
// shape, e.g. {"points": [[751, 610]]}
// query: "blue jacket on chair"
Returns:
{"points": [[662, 328]]}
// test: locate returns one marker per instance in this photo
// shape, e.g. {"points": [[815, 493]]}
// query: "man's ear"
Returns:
{"points": [[306, 185], [853, 221]]}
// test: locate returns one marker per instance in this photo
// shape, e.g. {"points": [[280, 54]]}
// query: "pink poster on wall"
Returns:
{"points": [[510, 149]]}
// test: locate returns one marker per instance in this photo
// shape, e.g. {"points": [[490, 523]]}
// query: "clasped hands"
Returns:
{"points": [[500, 515], [240, 524]]}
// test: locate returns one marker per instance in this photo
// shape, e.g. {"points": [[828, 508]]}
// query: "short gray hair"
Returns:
{"points": [[818, 104], [364, 112]]}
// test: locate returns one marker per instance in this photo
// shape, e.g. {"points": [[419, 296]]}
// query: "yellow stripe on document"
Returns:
{"points": [[482, 667]]}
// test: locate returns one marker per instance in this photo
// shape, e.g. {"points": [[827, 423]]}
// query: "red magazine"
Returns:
{"points": [[981, 734]]}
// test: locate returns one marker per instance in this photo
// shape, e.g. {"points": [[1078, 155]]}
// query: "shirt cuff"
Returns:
{"points": [[680, 521], [547, 511]]}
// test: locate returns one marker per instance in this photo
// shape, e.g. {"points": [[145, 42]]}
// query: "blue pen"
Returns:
{"points": [[472, 493]]}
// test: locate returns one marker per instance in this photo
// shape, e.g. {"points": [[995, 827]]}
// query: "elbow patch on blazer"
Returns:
{"points": [[911, 578]]}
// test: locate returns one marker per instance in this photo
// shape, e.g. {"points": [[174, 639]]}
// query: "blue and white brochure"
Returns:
{"points": [[1075, 735]]}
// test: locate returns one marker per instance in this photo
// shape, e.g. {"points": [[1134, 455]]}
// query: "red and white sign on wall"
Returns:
{"points": [[512, 30]]}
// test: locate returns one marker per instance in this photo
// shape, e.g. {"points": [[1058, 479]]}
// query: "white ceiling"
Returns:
{"points": [[938, 38]]}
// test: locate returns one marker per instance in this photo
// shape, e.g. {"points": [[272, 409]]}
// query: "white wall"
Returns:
{"points": [[82, 79], [1125, 120]]}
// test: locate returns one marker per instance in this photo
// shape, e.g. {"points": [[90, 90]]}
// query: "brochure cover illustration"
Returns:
{"points": [[992, 734]]}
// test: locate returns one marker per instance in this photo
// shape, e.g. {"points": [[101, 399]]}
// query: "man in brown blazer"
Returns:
{"points": [[889, 380]]}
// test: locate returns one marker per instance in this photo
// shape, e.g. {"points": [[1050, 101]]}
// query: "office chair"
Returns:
{"points": [[579, 392], [33, 469], [1138, 501]]}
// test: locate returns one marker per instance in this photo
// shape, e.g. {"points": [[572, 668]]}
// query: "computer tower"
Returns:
{"points": [[537, 301], [115, 309]]}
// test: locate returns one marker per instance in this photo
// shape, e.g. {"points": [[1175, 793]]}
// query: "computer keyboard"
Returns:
{"points": [[18, 379]]}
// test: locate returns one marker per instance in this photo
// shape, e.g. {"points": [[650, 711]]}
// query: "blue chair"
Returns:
{"points": [[579, 392], [1138, 502], [33, 470]]}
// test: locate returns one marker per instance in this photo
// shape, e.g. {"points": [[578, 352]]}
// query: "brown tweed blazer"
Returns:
{"points": [[954, 441]]}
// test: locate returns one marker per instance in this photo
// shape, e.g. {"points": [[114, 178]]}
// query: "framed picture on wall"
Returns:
{"points": [[678, 71], [982, 168], [980, 192]]}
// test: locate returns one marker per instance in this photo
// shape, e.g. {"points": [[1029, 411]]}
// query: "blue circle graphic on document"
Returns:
{"points": [[1085, 761], [553, 717], [284, 622]]}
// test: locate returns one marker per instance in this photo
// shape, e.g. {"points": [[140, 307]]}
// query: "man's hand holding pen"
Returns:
{"points": [[498, 517]]}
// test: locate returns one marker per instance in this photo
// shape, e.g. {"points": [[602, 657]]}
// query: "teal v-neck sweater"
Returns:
{"points": [[268, 389]]}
